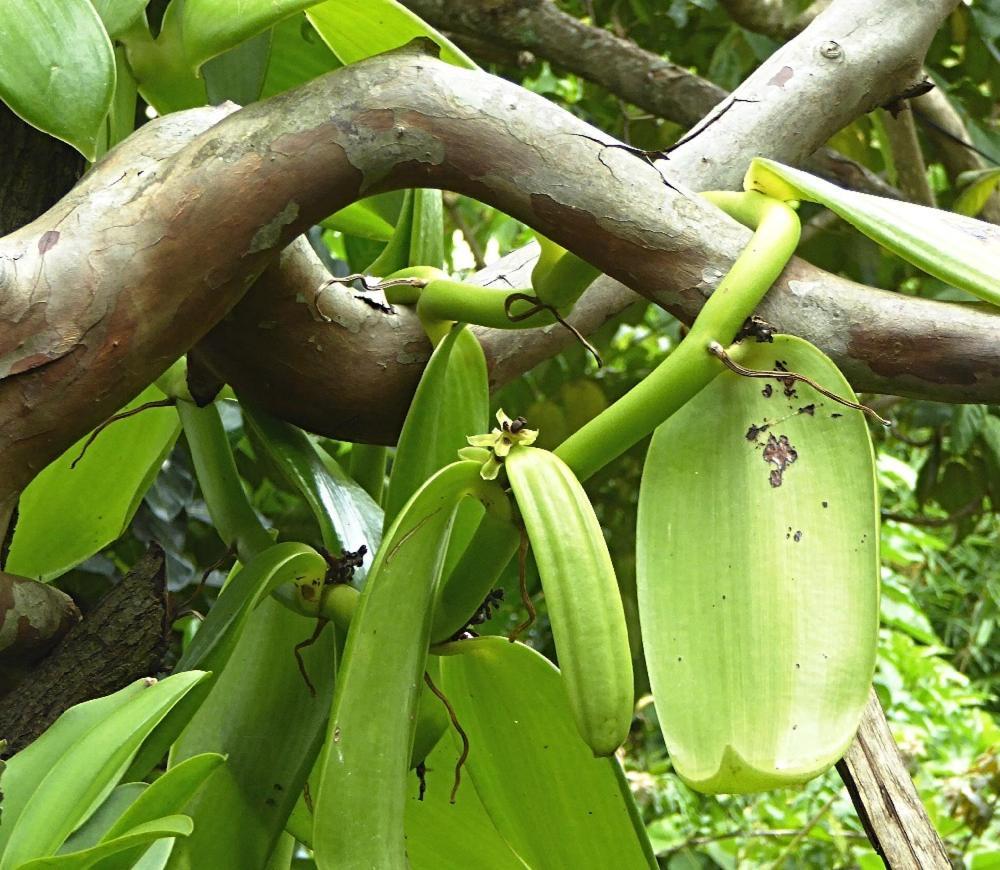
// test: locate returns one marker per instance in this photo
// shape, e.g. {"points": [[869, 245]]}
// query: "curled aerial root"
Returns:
{"points": [[717, 350], [463, 756], [537, 306], [522, 557]]}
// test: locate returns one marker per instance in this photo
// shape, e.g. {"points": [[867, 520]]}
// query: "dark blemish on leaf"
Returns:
{"points": [[808, 409], [47, 241], [835, 416], [797, 536], [723, 597], [271, 802], [336, 734], [797, 666], [825, 504], [277, 787], [756, 430], [767, 392], [780, 453], [679, 659]]}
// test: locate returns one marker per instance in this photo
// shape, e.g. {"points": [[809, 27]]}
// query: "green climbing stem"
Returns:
{"points": [[231, 512], [690, 367], [234, 517]]}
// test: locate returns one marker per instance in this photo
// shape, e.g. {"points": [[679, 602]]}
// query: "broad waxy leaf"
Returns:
{"points": [[537, 780], [356, 29], [211, 27], [58, 69], [54, 784], [238, 74], [444, 836], [957, 249], [979, 188], [261, 715], [346, 514], [133, 841], [69, 514], [757, 573], [451, 403]]}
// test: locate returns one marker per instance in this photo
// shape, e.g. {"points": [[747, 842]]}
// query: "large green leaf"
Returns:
{"points": [[441, 835], [133, 841], [957, 249], [58, 68], [758, 574], [59, 780], [211, 27], [261, 715], [554, 803], [346, 514], [68, 514], [356, 29], [238, 74]]}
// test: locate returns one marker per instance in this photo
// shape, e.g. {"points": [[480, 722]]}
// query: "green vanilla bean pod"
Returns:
{"points": [[581, 591], [371, 732], [758, 573], [687, 370]]}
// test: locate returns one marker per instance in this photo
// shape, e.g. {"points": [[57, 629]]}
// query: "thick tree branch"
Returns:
{"points": [[619, 65], [151, 250], [853, 57], [911, 170]]}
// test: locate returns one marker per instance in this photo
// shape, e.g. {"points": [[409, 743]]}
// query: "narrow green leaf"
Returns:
{"points": [[167, 796], [58, 69], [119, 15], [979, 187], [134, 840], [68, 514], [360, 219], [347, 517], [356, 29], [959, 250], [223, 629], [49, 803], [91, 832], [427, 237], [451, 403], [538, 781], [261, 715], [211, 27], [758, 573]]}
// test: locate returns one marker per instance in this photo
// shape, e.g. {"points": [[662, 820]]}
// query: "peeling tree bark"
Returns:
{"points": [[625, 69]]}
